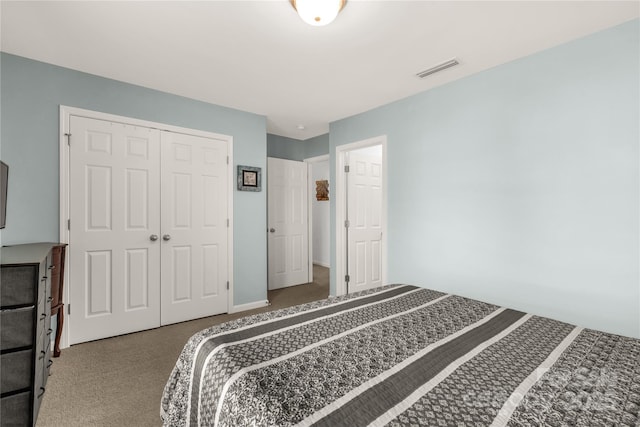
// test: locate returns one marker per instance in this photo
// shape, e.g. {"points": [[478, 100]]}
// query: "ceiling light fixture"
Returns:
{"points": [[318, 12]]}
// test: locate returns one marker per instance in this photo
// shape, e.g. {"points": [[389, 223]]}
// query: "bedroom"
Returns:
{"points": [[520, 202]]}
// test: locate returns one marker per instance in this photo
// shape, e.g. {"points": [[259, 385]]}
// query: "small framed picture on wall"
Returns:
{"points": [[322, 190], [249, 178]]}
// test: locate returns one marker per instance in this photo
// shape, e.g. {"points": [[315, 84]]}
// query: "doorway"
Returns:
{"points": [[361, 220], [320, 193]]}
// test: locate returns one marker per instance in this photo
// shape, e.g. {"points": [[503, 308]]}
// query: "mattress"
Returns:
{"points": [[403, 356]]}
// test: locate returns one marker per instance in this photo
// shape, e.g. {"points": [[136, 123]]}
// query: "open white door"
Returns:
{"points": [[288, 223], [194, 227], [365, 220], [114, 257]]}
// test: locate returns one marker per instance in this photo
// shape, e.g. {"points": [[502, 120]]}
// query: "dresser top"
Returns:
{"points": [[31, 253]]}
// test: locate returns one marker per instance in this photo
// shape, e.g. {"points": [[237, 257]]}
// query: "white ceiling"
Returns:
{"points": [[258, 56]]}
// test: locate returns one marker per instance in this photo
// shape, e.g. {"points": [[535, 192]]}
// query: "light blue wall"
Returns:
{"points": [[31, 95], [317, 146], [282, 147], [520, 185]]}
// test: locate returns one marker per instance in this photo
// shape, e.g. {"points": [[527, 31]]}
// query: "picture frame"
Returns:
{"points": [[249, 178], [322, 190]]}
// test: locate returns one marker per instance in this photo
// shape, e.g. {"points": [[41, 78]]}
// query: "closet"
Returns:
{"points": [[148, 227]]}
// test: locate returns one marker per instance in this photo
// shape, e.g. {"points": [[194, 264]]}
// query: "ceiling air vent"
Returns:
{"points": [[439, 67]]}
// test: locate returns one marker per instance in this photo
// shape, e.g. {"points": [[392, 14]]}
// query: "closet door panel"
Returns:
{"points": [[114, 187], [194, 226]]}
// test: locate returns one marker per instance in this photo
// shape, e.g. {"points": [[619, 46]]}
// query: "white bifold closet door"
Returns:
{"points": [[194, 227], [148, 228]]}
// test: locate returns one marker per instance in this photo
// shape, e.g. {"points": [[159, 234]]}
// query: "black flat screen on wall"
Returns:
{"points": [[4, 175]]}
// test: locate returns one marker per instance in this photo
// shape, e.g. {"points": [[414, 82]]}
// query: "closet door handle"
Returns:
{"points": [[153, 237], [166, 237]]}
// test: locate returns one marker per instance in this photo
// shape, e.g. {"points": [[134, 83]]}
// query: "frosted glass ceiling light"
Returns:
{"points": [[318, 12]]}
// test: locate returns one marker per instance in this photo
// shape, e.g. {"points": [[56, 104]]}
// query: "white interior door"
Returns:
{"points": [[288, 223], [364, 214], [194, 227], [114, 261]]}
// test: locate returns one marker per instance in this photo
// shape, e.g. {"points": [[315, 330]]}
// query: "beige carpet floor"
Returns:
{"points": [[119, 381]]}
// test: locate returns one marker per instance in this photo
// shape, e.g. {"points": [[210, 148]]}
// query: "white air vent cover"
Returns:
{"points": [[439, 67]]}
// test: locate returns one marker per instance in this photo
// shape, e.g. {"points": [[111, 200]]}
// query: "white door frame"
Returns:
{"points": [[310, 161], [65, 113], [341, 204]]}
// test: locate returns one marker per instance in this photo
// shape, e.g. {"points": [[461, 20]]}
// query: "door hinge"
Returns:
{"points": [[347, 278], [228, 223], [227, 285], [347, 224], [68, 224], [68, 135], [69, 309], [346, 168]]}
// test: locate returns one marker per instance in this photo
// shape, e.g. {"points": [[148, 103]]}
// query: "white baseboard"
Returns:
{"points": [[249, 306], [321, 264]]}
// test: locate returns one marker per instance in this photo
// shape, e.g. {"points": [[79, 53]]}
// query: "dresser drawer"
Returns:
{"points": [[47, 367], [38, 383], [41, 329], [19, 285], [54, 271], [41, 358], [40, 380], [16, 410], [17, 328], [44, 320], [16, 370], [44, 284]]}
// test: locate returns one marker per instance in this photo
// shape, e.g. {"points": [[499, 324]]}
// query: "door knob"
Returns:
{"points": [[153, 237], [166, 237], [272, 230]]}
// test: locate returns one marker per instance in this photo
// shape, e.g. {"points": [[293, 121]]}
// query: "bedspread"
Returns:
{"points": [[403, 356]]}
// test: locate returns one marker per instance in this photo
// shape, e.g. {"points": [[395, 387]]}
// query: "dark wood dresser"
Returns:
{"points": [[25, 332]]}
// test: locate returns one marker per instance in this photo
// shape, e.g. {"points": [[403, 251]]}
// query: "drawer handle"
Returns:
{"points": [[51, 267], [49, 299], [42, 353], [50, 331], [43, 316], [44, 278], [49, 364], [41, 392]]}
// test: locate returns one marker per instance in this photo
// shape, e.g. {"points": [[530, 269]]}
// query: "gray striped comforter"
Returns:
{"points": [[403, 356]]}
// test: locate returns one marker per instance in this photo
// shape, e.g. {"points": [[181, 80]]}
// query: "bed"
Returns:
{"points": [[403, 356]]}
